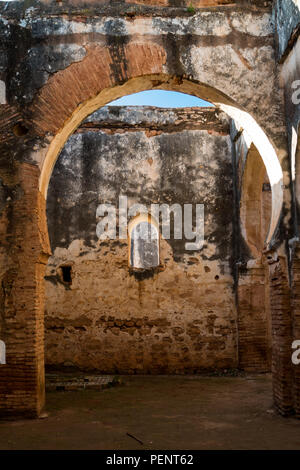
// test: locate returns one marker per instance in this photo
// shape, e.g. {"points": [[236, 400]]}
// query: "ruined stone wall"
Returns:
{"points": [[179, 319], [287, 17], [253, 207], [60, 61]]}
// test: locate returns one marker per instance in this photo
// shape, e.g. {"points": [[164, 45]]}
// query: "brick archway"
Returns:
{"points": [[65, 126], [61, 105], [254, 207]]}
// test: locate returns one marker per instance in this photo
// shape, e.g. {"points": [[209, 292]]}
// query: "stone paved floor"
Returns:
{"points": [[175, 412]]}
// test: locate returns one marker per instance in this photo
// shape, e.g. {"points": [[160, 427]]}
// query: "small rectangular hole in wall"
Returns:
{"points": [[66, 272], [266, 187]]}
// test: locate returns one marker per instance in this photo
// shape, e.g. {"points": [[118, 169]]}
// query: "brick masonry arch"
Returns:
{"points": [[226, 63]]}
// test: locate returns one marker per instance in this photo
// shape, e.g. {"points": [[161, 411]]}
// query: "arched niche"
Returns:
{"points": [[165, 82], [256, 202], [143, 242]]}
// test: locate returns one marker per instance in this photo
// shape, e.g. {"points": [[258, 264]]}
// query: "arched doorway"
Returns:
{"points": [[47, 157]]}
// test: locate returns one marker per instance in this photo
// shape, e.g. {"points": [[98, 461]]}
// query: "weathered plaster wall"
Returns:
{"points": [[179, 319], [229, 49], [220, 52]]}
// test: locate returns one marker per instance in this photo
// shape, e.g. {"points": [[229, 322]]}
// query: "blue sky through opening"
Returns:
{"points": [[161, 99]]}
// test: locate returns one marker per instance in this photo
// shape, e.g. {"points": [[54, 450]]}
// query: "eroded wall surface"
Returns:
{"points": [[181, 318], [60, 61]]}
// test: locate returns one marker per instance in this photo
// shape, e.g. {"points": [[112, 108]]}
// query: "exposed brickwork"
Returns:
{"points": [[22, 378], [63, 382], [220, 52], [280, 301], [253, 332], [9, 117], [87, 78], [296, 328], [194, 4], [209, 119], [286, 14], [170, 321]]}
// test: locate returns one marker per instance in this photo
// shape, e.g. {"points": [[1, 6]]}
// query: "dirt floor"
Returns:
{"points": [[174, 412]]}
